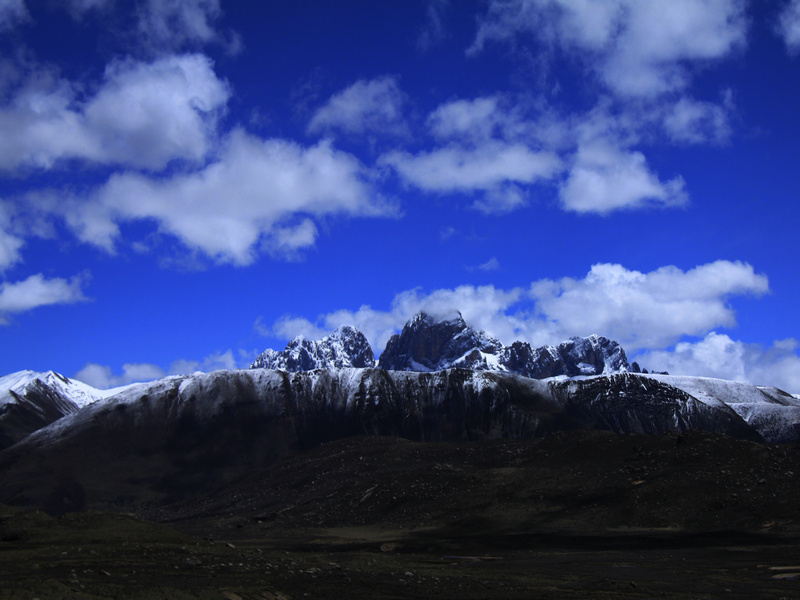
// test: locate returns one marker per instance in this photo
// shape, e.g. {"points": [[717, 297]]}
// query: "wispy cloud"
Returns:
{"points": [[11, 13], [788, 26], [433, 30]]}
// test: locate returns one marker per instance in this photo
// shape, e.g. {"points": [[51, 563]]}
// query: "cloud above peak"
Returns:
{"points": [[650, 310]]}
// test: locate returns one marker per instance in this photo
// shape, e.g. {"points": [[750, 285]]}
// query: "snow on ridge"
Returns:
{"points": [[78, 392]]}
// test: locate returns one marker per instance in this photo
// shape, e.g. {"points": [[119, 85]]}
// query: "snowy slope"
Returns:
{"points": [[15, 385], [771, 411], [30, 400]]}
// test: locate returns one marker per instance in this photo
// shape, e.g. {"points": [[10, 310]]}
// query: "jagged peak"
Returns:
{"points": [[346, 346], [445, 316]]}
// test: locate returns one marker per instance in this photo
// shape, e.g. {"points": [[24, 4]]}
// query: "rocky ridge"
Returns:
{"points": [[345, 347], [427, 343]]}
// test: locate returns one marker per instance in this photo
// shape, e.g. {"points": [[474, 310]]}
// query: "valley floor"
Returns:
{"points": [[78, 557], [577, 515]]}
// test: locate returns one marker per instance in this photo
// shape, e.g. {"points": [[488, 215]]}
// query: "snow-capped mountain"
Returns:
{"points": [[430, 344], [30, 400], [345, 347]]}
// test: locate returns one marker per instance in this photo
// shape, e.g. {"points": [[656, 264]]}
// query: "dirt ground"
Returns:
{"points": [[577, 515]]}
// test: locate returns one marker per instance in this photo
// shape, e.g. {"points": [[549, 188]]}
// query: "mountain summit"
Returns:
{"points": [[433, 343], [430, 344], [345, 347]]}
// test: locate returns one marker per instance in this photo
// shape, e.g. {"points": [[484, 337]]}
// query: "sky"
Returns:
{"points": [[184, 183]]}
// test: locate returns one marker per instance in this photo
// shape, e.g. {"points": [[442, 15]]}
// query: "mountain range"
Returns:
{"points": [[67, 445], [427, 344]]}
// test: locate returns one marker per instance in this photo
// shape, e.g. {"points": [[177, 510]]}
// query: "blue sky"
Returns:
{"points": [[184, 183]]}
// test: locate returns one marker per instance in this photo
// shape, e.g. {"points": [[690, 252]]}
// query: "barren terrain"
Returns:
{"points": [[574, 515]]}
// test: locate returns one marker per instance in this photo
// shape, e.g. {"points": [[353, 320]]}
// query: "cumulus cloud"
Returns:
{"points": [[485, 149], [647, 310], [483, 307], [36, 291], [489, 148], [143, 115], [374, 106], [789, 25], [605, 177], [638, 49], [641, 310], [258, 194], [717, 355], [103, 377]]}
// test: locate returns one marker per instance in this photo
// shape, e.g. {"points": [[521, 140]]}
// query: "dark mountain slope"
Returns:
{"points": [[183, 435]]}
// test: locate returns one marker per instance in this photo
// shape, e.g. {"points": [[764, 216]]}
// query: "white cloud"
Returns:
{"points": [[490, 265], [374, 106], [640, 310], [475, 119], [36, 291], [484, 307], [637, 48], [458, 169], [144, 115], [605, 177], [11, 13], [103, 377], [717, 355], [646, 310], [257, 194], [213, 362], [789, 25], [486, 149]]}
